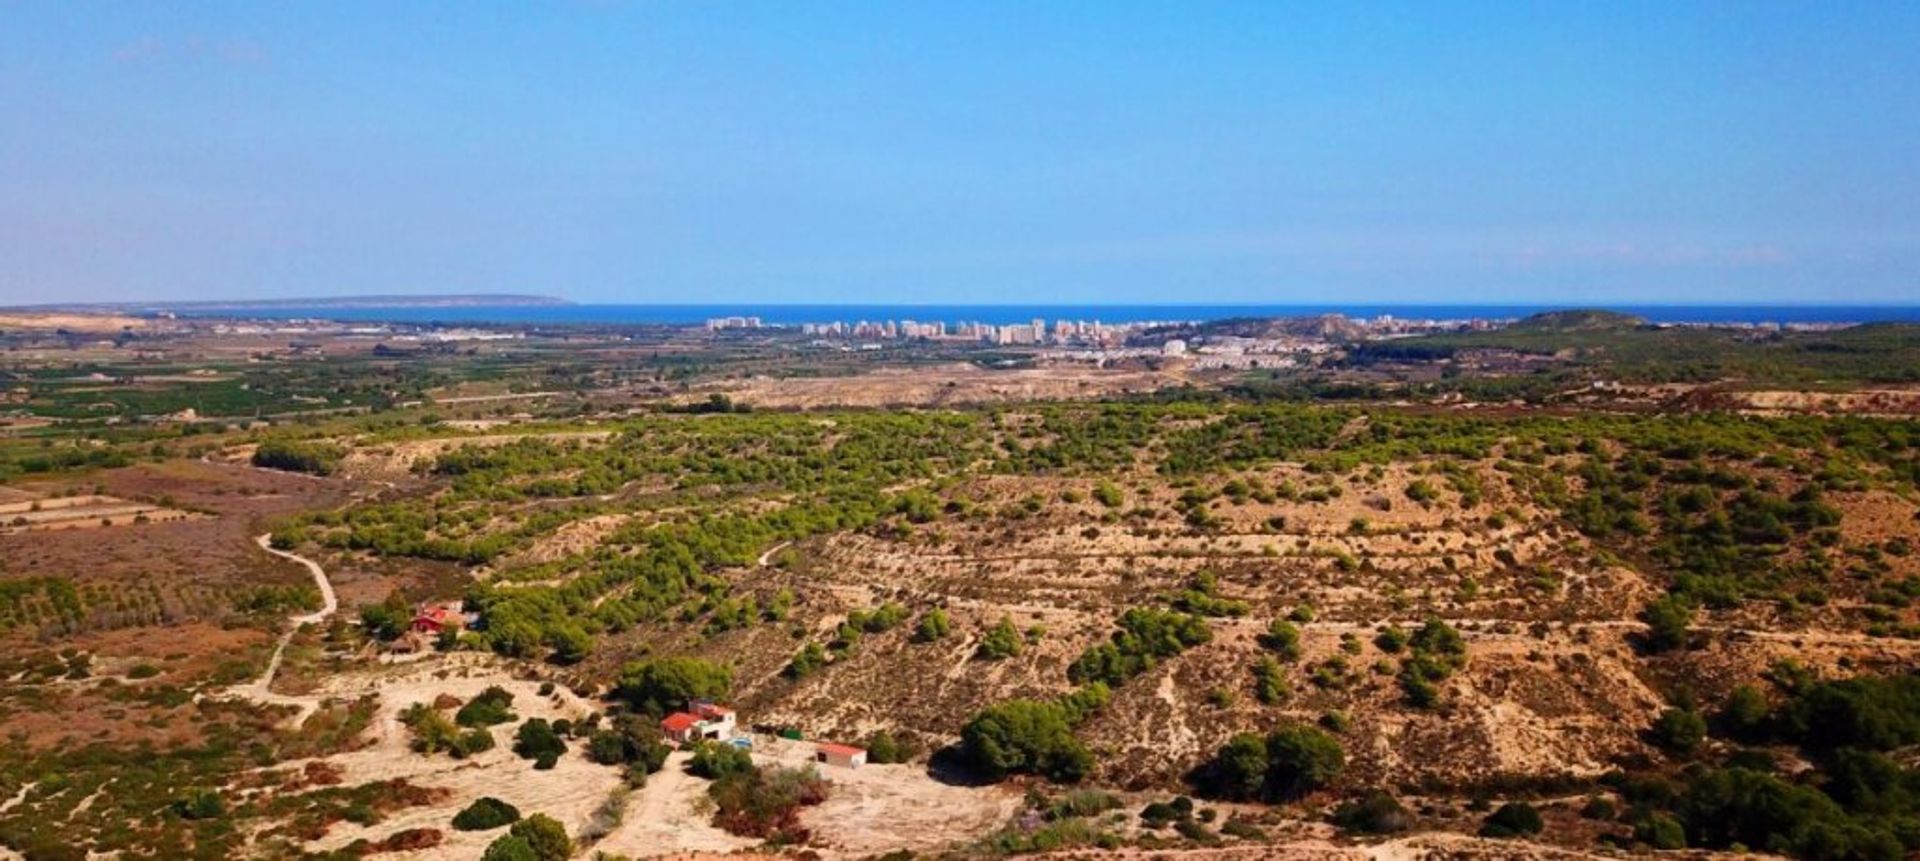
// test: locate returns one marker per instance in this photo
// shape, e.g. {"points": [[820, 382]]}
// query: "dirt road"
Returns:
{"points": [[260, 690]]}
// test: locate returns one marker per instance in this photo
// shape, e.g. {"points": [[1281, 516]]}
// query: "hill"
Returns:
{"points": [[1579, 320]]}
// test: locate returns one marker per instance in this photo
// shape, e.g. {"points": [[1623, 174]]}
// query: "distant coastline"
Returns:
{"points": [[461, 310], [335, 303]]}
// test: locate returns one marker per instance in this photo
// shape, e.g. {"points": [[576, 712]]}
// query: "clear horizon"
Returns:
{"points": [[1904, 303], [991, 153]]}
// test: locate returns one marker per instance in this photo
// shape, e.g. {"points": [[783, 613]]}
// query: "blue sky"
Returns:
{"points": [[1270, 152]]}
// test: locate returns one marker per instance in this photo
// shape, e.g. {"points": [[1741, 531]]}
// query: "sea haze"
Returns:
{"points": [[1000, 314]]}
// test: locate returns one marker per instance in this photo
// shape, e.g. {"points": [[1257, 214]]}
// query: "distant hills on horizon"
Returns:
{"points": [[397, 300]]}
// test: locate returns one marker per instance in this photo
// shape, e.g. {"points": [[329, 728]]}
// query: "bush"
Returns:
{"points": [[1001, 641], [311, 457], [1196, 832], [1085, 700], [571, 643], [1145, 637], [1290, 762], [1270, 682], [713, 761], [1599, 808], [485, 814], [387, 620], [766, 802], [201, 804], [1160, 814], [1513, 819], [1026, 737], [933, 626], [490, 707], [1669, 619], [1660, 831], [538, 837], [1746, 714], [536, 740], [1375, 812], [1283, 639], [510, 847], [630, 740], [1679, 731], [1081, 803], [807, 661], [434, 733], [476, 740], [884, 749], [1244, 829]]}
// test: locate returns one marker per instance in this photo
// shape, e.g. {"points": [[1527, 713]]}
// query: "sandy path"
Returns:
{"points": [[260, 690], [669, 816], [7, 854], [767, 557], [18, 797]]}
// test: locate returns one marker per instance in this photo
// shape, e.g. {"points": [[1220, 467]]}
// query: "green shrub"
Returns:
{"points": [[1660, 831], [1669, 620], [713, 760], [492, 706], [485, 814], [1746, 714], [1513, 819], [536, 740], [630, 740], [1679, 731], [1145, 637], [1283, 639], [1085, 700], [1000, 642], [308, 456], [809, 660], [1289, 762], [1026, 737], [1375, 812], [200, 804], [884, 748], [510, 847], [1270, 682], [933, 626], [536, 838]]}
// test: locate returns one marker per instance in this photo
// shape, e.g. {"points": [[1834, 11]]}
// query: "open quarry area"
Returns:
{"points": [[664, 593]]}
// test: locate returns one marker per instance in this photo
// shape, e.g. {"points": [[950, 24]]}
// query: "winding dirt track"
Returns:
{"points": [[260, 690]]}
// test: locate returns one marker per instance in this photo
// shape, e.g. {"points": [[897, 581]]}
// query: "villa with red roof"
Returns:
{"points": [[701, 720], [434, 618]]}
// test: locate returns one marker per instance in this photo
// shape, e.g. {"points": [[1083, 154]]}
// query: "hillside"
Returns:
{"points": [[1578, 320]]}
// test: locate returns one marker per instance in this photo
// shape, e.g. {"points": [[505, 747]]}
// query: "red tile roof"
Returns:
{"points": [[441, 614], [678, 722], [842, 749]]}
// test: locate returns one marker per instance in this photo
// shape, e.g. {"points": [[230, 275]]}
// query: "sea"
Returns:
{"points": [[782, 314]]}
